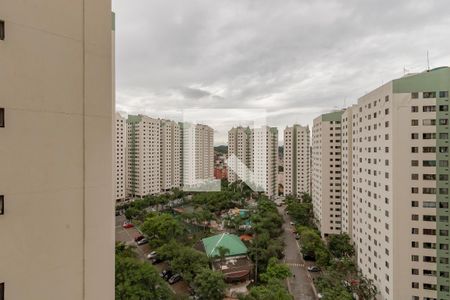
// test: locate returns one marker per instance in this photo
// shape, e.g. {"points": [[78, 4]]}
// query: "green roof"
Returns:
{"points": [[226, 240]]}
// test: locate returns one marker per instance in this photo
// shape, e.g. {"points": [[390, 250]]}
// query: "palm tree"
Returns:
{"points": [[223, 251]]}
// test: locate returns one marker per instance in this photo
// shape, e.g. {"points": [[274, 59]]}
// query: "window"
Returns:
{"points": [[429, 163], [443, 163], [429, 204], [429, 191], [429, 218], [414, 176], [2, 37], [415, 122], [443, 94], [414, 163], [429, 136], [2, 117], [429, 149], [415, 285], [443, 107], [2, 204], [429, 94], [443, 121], [415, 271], [429, 108], [429, 231], [414, 95], [414, 109], [386, 111], [443, 177], [429, 122], [443, 136], [414, 136]]}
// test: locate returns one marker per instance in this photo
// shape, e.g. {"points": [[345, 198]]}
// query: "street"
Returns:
{"points": [[300, 284]]}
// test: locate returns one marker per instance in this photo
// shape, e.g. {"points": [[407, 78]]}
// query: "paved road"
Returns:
{"points": [[301, 285]]}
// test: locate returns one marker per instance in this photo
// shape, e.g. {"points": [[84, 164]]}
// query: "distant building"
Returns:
{"points": [[144, 154], [257, 151], [120, 153], [296, 160]]}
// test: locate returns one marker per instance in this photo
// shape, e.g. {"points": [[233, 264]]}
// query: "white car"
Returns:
{"points": [[152, 255], [292, 223]]}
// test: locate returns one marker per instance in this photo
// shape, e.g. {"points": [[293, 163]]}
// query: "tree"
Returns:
{"points": [[272, 290], [340, 245], [310, 240], [323, 256], [137, 280], [275, 271], [188, 262], [124, 250], [365, 288], [162, 228], [209, 285], [223, 251]]}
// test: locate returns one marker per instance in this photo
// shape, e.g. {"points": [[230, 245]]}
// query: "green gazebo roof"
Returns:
{"points": [[226, 240]]}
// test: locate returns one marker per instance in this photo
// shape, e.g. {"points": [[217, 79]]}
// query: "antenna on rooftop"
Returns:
{"points": [[428, 61]]}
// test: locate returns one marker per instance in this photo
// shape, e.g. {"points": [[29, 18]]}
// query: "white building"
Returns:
{"points": [[326, 172], [296, 160], [170, 155], [144, 156], [198, 154], [120, 153], [397, 142], [56, 150], [239, 145]]}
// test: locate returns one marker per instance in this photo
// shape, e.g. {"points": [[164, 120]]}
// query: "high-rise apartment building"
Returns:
{"points": [[396, 145], [347, 170], [257, 151], [56, 150], [144, 156], [198, 154], [296, 160], [120, 153], [240, 145], [170, 155], [326, 172]]}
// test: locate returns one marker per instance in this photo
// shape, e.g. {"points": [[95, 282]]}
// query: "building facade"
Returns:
{"points": [[144, 156], [120, 153], [398, 143], [170, 155], [56, 150], [296, 160], [198, 155], [326, 172], [239, 145]]}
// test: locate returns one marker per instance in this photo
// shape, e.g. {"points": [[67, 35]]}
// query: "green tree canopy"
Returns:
{"points": [[162, 228], [136, 280], [209, 285], [275, 271], [340, 245]]}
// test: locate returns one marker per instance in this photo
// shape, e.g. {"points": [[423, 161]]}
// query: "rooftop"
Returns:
{"points": [[226, 240]]}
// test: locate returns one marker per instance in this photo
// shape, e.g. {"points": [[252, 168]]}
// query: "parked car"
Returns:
{"points": [[313, 269], [156, 260], [142, 242], [297, 236], [174, 279], [166, 274], [127, 224], [152, 255], [138, 238], [319, 295], [309, 257], [292, 223]]}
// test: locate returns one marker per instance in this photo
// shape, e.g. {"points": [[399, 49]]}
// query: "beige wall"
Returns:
{"points": [[326, 175], [56, 150], [296, 160]]}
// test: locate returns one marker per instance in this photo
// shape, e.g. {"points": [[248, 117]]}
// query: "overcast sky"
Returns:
{"points": [[292, 59]]}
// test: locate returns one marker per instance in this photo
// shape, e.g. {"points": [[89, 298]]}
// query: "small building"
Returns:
{"points": [[236, 266]]}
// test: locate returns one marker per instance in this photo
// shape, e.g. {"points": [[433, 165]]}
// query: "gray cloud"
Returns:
{"points": [[296, 59]]}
